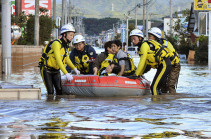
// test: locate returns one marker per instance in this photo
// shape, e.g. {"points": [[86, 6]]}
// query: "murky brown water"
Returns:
{"points": [[185, 115]]}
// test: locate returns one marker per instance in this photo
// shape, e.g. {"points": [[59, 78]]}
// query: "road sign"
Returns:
{"points": [[123, 32], [202, 5]]}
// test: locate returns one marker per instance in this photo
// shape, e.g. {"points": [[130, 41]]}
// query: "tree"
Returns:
{"points": [[46, 26], [180, 39]]}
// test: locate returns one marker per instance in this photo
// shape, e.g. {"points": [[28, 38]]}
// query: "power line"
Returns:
{"points": [[138, 6]]}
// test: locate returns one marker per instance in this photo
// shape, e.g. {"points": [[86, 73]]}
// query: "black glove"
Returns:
{"points": [[134, 76]]}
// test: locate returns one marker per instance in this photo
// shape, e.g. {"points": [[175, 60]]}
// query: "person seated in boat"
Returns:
{"points": [[82, 55], [124, 59], [104, 59], [112, 69]]}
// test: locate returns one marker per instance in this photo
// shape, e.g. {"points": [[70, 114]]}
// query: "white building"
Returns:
{"points": [[166, 20]]}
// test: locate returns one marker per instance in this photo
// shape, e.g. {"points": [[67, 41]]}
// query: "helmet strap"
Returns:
{"points": [[65, 36]]}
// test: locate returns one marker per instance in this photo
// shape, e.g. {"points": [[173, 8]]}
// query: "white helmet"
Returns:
{"points": [[156, 32], [136, 32], [78, 38], [67, 28]]}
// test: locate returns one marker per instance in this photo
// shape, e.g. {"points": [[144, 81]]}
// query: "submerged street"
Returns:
{"points": [[185, 115]]}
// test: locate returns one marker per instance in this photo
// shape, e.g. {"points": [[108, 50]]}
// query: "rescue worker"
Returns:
{"points": [[104, 59], [82, 55], [170, 84], [54, 58], [153, 54], [124, 59]]}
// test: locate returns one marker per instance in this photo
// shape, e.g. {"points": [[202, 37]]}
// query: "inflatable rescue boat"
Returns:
{"points": [[105, 86]]}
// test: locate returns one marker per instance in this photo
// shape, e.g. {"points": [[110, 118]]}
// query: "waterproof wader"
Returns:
{"points": [[162, 71], [51, 79], [170, 85]]}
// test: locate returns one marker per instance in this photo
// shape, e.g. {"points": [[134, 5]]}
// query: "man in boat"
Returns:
{"points": [[82, 55], [151, 53], [54, 58], [104, 59], [124, 59], [169, 85]]}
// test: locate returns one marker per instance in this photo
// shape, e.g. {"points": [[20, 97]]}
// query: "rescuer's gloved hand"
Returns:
{"points": [[134, 76], [77, 71], [69, 77]]}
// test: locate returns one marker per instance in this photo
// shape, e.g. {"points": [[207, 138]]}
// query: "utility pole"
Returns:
{"points": [[144, 17], [70, 12], [6, 36], [17, 7], [136, 17], [36, 24], [147, 12], [63, 12], [54, 18], [171, 20], [127, 17], [209, 42]]}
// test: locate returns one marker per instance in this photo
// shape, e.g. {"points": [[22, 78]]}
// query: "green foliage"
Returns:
{"points": [[118, 36], [96, 26], [46, 26], [201, 51], [180, 40], [30, 30]]}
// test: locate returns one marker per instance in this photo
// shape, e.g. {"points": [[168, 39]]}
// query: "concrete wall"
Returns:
{"points": [[23, 55]]}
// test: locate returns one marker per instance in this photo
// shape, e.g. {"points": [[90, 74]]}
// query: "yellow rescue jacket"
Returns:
{"points": [[151, 53], [82, 64], [55, 56], [132, 66], [174, 56], [106, 62]]}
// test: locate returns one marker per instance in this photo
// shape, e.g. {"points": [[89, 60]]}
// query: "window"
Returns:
{"points": [[203, 23]]}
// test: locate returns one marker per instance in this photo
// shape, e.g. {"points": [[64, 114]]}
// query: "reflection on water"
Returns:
{"points": [[184, 115]]}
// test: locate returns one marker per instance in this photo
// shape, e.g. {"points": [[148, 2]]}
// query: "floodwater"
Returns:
{"points": [[185, 115]]}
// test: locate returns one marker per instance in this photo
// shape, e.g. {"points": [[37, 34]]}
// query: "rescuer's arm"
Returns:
{"points": [[69, 62], [143, 56], [56, 49]]}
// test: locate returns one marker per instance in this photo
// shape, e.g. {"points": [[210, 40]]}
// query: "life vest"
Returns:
{"points": [[48, 58], [174, 56], [160, 51], [82, 64], [132, 66], [106, 62]]}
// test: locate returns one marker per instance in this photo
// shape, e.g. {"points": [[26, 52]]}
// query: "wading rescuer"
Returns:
{"points": [[154, 54], [171, 82], [82, 55], [54, 58]]}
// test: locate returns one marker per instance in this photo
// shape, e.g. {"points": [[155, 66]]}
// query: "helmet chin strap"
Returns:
{"points": [[68, 41]]}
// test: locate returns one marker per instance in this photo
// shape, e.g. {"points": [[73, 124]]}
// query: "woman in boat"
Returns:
{"points": [[112, 69]]}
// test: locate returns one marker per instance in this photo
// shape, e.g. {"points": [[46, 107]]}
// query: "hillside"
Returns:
{"points": [[103, 8]]}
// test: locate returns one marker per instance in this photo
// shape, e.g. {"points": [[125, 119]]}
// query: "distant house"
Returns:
{"points": [[198, 23], [166, 26]]}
